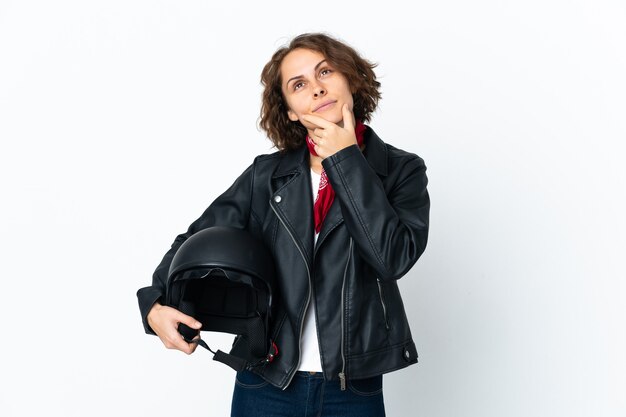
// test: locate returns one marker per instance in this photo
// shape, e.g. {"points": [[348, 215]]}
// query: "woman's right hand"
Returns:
{"points": [[164, 321]]}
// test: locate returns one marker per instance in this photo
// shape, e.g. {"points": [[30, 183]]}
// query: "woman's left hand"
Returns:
{"points": [[330, 137]]}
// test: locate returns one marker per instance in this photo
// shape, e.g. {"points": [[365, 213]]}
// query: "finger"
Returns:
{"points": [[176, 341], [319, 133], [188, 320], [188, 348], [348, 117], [194, 343], [317, 121]]}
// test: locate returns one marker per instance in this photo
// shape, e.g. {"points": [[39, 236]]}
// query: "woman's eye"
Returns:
{"points": [[298, 85], [325, 71]]}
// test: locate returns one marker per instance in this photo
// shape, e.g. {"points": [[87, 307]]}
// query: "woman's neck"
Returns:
{"points": [[315, 162]]}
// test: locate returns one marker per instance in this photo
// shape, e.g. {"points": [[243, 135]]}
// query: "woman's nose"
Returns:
{"points": [[319, 91]]}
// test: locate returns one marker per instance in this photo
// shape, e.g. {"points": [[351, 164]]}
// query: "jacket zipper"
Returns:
{"points": [[382, 302], [308, 294], [342, 374]]}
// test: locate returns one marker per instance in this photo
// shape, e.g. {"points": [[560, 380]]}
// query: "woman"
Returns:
{"points": [[344, 214]]}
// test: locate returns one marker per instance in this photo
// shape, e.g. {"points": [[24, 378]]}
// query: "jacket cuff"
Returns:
{"points": [[341, 155], [147, 296]]}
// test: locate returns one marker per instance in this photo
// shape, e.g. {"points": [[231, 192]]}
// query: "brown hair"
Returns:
{"points": [[288, 135]]}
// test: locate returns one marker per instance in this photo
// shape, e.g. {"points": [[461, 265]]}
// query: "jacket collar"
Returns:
{"points": [[292, 162], [375, 152]]}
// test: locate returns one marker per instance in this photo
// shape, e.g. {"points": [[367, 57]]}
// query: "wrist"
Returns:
{"points": [[155, 307]]}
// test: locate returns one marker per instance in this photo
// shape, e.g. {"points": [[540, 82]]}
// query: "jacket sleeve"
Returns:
{"points": [[389, 228], [232, 208]]}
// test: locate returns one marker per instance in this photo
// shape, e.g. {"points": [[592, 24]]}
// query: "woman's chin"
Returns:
{"points": [[334, 118], [338, 120]]}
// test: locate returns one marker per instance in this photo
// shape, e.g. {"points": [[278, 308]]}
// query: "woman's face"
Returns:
{"points": [[312, 86]]}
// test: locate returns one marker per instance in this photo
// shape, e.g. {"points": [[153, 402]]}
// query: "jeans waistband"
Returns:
{"points": [[310, 374]]}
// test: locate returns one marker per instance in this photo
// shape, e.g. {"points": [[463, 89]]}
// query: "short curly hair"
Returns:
{"points": [[288, 135]]}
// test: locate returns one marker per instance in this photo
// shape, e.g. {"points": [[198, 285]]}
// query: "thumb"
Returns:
{"points": [[348, 117], [189, 321]]}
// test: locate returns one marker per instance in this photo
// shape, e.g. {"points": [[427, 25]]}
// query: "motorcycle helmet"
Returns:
{"points": [[224, 278]]}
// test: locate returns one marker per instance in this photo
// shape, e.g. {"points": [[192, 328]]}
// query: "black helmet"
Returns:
{"points": [[224, 278]]}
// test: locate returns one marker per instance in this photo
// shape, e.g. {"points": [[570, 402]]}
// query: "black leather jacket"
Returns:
{"points": [[374, 232]]}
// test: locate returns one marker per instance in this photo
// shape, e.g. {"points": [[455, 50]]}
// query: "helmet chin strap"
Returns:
{"points": [[237, 363]]}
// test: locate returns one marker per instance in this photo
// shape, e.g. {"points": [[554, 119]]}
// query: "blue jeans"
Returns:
{"points": [[308, 395]]}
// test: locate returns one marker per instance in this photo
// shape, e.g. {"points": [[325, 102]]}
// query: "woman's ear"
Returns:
{"points": [[292, 116]]}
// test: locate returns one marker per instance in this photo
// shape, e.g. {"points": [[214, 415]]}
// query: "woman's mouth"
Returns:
{"points": [[324, 106]]}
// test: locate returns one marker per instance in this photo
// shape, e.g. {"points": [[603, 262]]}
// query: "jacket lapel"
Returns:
{"points": [[333, 219], [292, 199]]}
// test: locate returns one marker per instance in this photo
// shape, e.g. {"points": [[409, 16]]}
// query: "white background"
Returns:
{"points": [[120, 121]]}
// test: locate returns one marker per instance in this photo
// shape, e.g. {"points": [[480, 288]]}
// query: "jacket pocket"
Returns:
{"points": [[366, 387], [247, 379], [381, 295]]}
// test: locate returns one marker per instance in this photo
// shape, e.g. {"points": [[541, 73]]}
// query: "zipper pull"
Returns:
{"points": [[342, 380]]}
